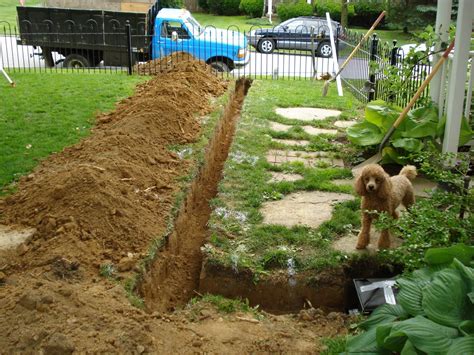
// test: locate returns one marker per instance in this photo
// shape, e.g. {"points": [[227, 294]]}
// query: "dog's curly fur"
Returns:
{"points": [[382, 193]]}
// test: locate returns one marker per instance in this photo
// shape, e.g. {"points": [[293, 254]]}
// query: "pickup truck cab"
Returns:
{"points": [[176, 30]]}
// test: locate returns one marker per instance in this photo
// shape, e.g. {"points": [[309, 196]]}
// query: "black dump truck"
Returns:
{"points": [[87, 37]]}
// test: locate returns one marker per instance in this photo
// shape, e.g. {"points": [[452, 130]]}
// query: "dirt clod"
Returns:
{"points": [[58, 344]]}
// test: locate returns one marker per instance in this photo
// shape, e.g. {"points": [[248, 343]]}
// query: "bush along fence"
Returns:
{"points": [[296, 52]]}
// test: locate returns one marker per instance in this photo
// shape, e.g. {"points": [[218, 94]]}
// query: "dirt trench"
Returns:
{"points": [[174, 275]]}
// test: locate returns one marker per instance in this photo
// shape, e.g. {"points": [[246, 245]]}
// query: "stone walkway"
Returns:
{"points": [[315, 207], [307, 113]]}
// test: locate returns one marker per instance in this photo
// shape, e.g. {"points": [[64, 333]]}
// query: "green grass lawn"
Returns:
{"points": [[8, 10], [46, 112], [390, 35], [238, 237]]}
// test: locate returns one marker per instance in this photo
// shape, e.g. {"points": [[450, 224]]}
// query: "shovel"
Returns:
{"points": [[378, 157], [369, 32]]}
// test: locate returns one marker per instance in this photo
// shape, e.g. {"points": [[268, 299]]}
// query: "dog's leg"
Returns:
{"points": [[408, 199], [364, 235], [384, 240]]}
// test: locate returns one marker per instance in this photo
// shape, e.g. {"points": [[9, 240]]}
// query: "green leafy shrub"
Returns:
{"points": [[366, 12], [252, 8], [334, 9], [289, 10], [203, 5], [224, 7], [173, 4], [410, 15], [420, 128], [434, 314]]}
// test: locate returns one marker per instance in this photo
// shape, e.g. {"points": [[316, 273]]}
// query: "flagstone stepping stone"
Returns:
{"points": [[423, 186], [309, 159], [300, 143], [348, 243], [306, 113], [279, 127], [302, 208], [278, 177], [317, 131], [344, 124], [11, 237], [342, 182]]}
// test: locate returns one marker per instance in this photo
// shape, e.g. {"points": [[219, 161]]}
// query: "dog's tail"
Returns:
{"points": [[409, 171]]}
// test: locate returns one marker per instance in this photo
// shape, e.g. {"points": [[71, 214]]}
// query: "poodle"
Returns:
{"points": [[382, 193]]}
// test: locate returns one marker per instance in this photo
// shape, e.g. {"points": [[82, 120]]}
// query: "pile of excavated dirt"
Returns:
{"points": [[109, 196], [163, 65]]}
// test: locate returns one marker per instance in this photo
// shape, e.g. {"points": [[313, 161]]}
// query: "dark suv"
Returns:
{"points": [[295, 33]]}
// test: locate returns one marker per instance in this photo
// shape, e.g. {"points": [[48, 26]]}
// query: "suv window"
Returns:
{"points": [[297, 25]]}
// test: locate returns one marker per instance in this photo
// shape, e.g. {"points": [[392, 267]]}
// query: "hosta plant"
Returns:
{"points": [[434, 313], [420, 128]]}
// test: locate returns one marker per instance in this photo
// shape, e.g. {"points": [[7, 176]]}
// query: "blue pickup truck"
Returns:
{"points": [[86, 38]]}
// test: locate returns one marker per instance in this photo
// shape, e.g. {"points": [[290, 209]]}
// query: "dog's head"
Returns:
{"points": [[373, 180]]}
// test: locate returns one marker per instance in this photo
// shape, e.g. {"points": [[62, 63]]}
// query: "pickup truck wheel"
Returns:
{"points": [[266, 45], [325, 50], [220, 67], [76, 61]]}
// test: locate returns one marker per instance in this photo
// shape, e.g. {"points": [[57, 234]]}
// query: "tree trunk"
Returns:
{"points": [[344, 14]]}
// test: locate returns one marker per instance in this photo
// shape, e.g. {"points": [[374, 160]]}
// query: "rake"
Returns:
{"points": [[356, 48]]}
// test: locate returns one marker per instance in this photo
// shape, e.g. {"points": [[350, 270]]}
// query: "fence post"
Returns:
{"points": [[373, 58], [393, 63], [128, 33]]}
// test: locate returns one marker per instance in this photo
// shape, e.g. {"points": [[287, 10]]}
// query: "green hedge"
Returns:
{"points": [[174, 4], [366, 12], [361, 13], [286, 11], [252, 8], [203, 5], [334, 9], [224, 7]]}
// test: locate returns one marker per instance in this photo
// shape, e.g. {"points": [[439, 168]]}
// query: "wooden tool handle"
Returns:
{"points": [[369, 32], [424, 85]]}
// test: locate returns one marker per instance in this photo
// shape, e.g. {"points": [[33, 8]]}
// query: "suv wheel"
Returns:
{"points": [[266, 45], [325, 50]]}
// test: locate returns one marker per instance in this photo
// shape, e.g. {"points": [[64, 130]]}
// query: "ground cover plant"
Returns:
{"points": [[238, 238], [434, 311], [46, 112]]}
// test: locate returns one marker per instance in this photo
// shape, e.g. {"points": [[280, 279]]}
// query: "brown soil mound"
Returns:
{"points": [[110, 195], [163, 65]]}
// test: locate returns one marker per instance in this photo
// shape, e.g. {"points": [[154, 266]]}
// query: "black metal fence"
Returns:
{"points": [[299, 54], [370, 74], [296, 54]]}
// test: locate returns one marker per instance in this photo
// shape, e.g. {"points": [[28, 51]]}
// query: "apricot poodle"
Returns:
{"points": [[382, 193]]}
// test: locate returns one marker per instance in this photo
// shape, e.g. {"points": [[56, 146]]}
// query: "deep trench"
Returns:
{"points": [[179, 272], [174, 275]]}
